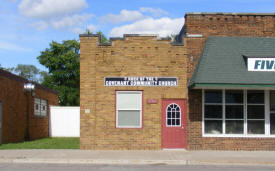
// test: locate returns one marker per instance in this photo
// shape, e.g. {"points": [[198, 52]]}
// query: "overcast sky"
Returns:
{"points": [[28, 26]]}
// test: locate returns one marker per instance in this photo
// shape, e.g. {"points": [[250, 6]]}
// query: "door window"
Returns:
{"points": [[173, 115]]}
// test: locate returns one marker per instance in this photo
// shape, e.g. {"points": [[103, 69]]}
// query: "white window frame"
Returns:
{"points": [[37, 112], [140, 109], [40, 113], [177, 118], [245, 135]]}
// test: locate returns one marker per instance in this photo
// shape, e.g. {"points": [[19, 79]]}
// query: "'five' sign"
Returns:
{"points": [[261, 64]]}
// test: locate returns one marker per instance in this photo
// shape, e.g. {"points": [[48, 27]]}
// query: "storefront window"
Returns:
{"points": [[213, 112], [238, 113], [234, 112], [272, 112], [255, 112], [128, 109]]}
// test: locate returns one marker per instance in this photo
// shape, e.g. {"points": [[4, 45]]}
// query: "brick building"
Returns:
{"points": [[19, 109], [212, 90]]}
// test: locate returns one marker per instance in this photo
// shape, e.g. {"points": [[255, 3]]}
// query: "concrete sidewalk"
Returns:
{"points": [[139, 157]]}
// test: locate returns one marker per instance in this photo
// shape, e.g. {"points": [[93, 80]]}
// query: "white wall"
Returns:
{"points": [[64, 121]]}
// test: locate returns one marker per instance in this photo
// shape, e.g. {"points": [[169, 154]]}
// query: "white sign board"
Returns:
{"points": [[261, 64]]}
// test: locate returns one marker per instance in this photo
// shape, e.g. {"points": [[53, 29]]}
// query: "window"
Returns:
{"points": [[255, 112], [238, 113], [272, 112], [213, 112], [37, 107], [128, 109], [40, 107], [234, 112], [173, 115]]}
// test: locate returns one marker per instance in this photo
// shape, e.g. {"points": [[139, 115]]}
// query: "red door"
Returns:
{"points": [[174, 123]]}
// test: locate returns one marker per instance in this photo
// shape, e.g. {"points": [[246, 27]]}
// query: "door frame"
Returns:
{"points": [[183, 117]]}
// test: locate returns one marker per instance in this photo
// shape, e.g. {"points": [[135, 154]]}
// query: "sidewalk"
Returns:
{"points": [[139, 157]]}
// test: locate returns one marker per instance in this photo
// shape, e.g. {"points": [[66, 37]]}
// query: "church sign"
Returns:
{"points": [[141, 81]]}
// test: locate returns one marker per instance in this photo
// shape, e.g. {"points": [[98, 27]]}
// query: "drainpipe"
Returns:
{"points": [[29, 91]]}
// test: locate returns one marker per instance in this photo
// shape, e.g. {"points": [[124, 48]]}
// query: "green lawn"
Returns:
{"points": [[44, 143]]}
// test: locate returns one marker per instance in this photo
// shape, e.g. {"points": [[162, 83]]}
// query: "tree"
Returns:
{"points": [[62, 61], [103, 38], [29, 72]]}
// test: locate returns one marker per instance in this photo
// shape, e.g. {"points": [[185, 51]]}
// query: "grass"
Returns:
{"points": [[44, 143]]}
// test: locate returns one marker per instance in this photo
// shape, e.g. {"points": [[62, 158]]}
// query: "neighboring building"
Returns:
{"points": [[229, 67], [213, 90], [19, 109]]}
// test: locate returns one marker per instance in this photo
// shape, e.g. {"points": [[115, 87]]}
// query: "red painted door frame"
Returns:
{"points": [[174, 136]]}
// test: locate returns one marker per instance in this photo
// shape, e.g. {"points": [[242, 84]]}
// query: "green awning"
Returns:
{"points": [[222, 63], [242, 86]]}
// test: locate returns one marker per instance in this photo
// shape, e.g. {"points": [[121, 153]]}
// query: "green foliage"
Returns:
{"points": [[62, 61], [103, 38], [44, 143], [29, 72]]}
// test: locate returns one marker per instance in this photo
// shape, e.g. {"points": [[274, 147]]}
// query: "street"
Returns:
{"points": [[88, 167]]}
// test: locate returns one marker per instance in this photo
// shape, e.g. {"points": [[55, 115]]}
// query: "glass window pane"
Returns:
{"points": [[255, 96], [213, 127], [272, 101], [234, 127], [169, 115], [169, 122], [255, 127], [272, 123], [255, 112], [178, 122], [234, 96], [173, 122], [129, 100], [213, 96], [128, 118], [173, 114], [178, 115], [213, 111], [234, 111]]}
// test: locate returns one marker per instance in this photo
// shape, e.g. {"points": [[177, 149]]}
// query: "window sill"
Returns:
{"points": [[238, 136], [40, 116], [129, 127]]}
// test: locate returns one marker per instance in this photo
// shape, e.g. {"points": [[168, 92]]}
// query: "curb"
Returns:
{"points": [[133, 162]]}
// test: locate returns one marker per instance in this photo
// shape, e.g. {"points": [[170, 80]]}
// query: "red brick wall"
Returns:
{"points": [[14, 109], [220, 25]]}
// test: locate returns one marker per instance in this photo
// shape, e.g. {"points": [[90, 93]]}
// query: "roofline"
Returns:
{"points": [[229, 13], [230, 86], [130, 35], [17, 78]]}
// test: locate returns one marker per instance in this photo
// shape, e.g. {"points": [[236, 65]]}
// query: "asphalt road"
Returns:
{"points": [[84, 167]]}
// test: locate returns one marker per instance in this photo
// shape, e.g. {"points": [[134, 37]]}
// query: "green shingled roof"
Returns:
{"points": [[222, 63]]}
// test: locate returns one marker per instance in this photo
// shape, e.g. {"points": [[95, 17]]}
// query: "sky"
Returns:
{"points": [[27, 27]]}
